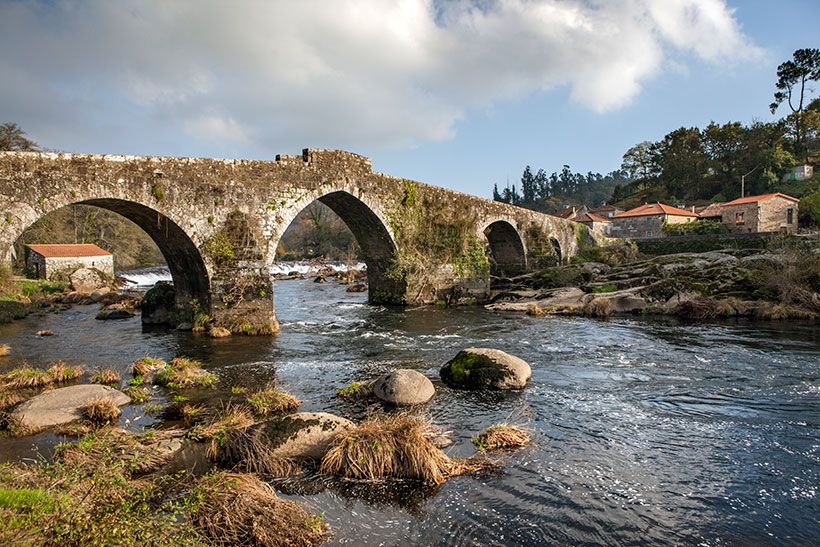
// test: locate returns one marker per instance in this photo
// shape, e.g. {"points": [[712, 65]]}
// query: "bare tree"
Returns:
{"points": [[13, 138]]}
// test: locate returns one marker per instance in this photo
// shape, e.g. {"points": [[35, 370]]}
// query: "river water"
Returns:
{"points": [[646, 431]]}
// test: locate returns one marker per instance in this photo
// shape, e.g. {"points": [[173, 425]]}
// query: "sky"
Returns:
{"points": [[458, 93]]}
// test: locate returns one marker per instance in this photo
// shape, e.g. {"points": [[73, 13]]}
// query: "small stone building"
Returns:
{"points": [[764, 213], [43, 260], [594, 222], [606, 210], [647, 220]]}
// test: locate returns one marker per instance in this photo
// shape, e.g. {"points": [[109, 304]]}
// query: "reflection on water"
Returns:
{"points": [[647, 431]]}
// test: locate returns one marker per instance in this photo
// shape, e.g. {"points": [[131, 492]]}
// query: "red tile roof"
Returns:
{"points": [[762, 197], [590, 217], [69, 250], [651, 209], [713, 210]]}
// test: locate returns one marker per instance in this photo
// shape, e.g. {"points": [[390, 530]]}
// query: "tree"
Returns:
{"points": [[13, 138], [640, 163], [792, 77]]}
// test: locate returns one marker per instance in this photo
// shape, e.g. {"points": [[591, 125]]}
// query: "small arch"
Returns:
{"points": [[506, 249], [188, 270], [556, 248]]}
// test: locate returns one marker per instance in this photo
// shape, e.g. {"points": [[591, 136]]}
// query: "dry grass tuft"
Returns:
{"points": [[28, 377], [5, 350], [502, 436], [240, 509], [248, 450], [101, 411], [62, 372], [394, 447], [216, 431], [705, 308], [10, 398], [146, 365], [138, 453], [535, 310], [183, 373], [138, 394], [107, 377], [271, 401], [74, 429], [598, 307]]}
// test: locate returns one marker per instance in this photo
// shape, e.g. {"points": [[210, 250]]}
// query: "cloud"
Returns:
{"points": [[349, 73]]}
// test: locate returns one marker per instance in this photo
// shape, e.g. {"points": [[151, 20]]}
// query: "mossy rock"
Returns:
{"points": [[159, 304], [485, 368], [304, 435]]}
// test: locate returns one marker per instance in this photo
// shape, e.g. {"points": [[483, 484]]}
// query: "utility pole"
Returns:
{"points": [[743, 182]]}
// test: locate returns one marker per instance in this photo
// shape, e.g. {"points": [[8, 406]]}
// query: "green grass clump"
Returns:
{"points": [[183, 373], [138, 394], [354, 391], [271, 401]]}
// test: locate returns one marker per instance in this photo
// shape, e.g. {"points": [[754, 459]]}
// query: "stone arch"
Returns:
{"points": [[506, 249], [373, 237], [188, 269], [556, 248]]}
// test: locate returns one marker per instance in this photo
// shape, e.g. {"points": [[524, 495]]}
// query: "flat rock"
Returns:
{"points": [[486, 368], [403, 387], [555, 298], [304, 435], [63, 405]]}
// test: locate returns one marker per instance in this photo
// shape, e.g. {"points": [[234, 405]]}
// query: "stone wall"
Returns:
{"points": [[741, 218], [774, 215], [39, 267], [218, 222], [636, 227]]}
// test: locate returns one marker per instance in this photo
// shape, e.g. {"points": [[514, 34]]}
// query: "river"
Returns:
{"points": [[647, 431]]}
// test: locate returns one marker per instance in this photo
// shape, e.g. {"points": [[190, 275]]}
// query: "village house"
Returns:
{"points": [[42, 260], [594, 222], [647, 220], [571, 210], [799, 172], [765, 213], [606, 210]]}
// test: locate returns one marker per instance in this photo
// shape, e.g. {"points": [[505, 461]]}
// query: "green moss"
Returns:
{"points": [[609, 287], [354, 390], [219, 247], [471, 371], [157, 192], [473, 261]]}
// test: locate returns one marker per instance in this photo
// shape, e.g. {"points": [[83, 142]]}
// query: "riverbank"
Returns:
{"points": [[781, 282]]}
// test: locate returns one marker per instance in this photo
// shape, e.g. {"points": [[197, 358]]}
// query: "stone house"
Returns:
{"points": [[765, 213], [606, 210], [42, 261], [594, 222], [647, 220], [571, 210]]}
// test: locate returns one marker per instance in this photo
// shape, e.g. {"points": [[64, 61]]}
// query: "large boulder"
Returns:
{"points": [[116, 311], [403, 387], [88, 280], [159, 304], [304, 435], [486, 368], [63, 405]]}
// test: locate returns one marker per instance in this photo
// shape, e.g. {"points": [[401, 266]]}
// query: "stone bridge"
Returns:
{"points": [[218, 223]]}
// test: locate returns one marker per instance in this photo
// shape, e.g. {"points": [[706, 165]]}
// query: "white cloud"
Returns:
{"points": [[345, 73]]}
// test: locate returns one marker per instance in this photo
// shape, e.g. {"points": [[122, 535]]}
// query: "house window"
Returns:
{"points": [[739, 218], [789, 216]]}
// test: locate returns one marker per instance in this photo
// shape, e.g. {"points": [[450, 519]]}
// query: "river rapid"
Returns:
{"points": [[647, 431]]}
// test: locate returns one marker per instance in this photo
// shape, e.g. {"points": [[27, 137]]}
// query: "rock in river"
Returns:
{"points": [[304, 435], [88, 280], [403, 387], [485, 368], [63, 405]]}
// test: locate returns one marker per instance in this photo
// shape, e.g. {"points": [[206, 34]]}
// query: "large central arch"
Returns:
{"points": [[377, 245], [188, 270]]}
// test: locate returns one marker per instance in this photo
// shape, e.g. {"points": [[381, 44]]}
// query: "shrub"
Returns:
{"points": [[699, 227]]}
